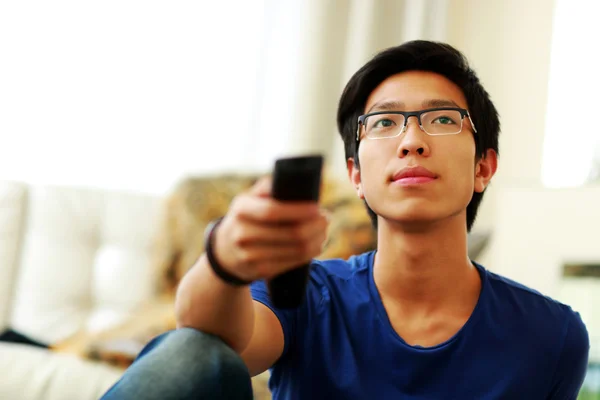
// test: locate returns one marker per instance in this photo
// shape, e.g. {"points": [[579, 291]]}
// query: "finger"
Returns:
{"points": [[267, 210], [249, 232], [282, 263], [262, 187], [256, 254]]}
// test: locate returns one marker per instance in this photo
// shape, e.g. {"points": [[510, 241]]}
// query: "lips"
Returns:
{"points": [[414, 175]]}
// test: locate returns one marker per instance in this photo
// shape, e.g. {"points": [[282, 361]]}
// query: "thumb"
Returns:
{"points": [[262, 187]]}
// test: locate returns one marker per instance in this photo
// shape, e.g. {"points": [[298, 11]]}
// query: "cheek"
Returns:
{"points": [[464, 173], [369, 171], [372, 162]]}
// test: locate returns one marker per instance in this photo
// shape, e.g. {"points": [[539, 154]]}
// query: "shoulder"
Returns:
{"points": [[546, 319], [333, 270], [324, 275], [524, 300], [338, 281]]}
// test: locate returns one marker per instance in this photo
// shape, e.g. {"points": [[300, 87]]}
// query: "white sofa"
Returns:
{"points": [[70, 259]]}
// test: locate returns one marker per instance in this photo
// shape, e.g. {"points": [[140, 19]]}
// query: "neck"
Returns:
{"points": [[425, 269]]}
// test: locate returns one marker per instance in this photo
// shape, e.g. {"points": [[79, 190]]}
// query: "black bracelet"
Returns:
{"points": [[212, 261]]}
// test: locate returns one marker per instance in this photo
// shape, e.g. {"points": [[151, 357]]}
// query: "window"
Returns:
{"points": [[127, 95], [572, 143]]}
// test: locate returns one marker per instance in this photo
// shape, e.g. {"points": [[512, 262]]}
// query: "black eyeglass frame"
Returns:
{"points": [[407, 114]]}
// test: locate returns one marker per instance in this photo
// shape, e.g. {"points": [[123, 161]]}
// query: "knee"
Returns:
{"points": [[200, 353], [197, 345], [183, 364]]}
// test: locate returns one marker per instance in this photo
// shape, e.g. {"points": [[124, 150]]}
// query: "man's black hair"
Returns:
{"points": [[420, 55]]}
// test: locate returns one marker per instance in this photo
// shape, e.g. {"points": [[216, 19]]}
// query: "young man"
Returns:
{"points": [[415, 319]]}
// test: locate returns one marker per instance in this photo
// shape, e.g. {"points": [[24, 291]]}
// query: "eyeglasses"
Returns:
{"points": [[433, 121]]}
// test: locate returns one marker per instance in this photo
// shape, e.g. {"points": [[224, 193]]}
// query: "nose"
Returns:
{"points": [[413, 142]]}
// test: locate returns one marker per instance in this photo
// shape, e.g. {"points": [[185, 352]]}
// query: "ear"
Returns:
{"points": [[354, 175], [485, 168]]}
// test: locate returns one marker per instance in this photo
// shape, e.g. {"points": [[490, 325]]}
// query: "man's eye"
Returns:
{"points": [[444, 121], [384, 123]]}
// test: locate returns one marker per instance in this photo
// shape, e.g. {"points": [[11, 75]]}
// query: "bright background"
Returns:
{"points": [[136, 95]]}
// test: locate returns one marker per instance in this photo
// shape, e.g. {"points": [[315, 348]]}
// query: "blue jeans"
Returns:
{"points": [[184, 364]]}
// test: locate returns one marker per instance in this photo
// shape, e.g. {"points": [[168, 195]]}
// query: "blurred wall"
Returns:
{"points": [[540, 229], [509, 43]]}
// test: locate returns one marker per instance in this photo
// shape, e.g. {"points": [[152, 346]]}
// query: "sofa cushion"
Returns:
{"points": [[85, 261], [12, 212]]}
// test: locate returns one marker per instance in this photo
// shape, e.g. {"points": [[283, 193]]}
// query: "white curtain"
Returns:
{"points": [[136, 95]]}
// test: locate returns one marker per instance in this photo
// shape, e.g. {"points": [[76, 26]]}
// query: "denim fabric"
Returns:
{"points": [[184, 364]]}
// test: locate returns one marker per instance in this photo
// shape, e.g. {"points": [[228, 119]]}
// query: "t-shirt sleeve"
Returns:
{"points": [[573, 361], [287, 317]]}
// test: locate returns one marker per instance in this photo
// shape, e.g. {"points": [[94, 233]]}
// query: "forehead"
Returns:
{"points": [[414, 88]]}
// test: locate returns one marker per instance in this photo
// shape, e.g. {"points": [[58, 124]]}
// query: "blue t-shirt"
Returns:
{"points": [[340, 344]]}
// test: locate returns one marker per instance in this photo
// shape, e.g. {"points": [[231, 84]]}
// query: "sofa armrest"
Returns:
{"points": [[120, 345]]}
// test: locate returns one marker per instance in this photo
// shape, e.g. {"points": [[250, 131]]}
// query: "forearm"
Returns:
{"points": [[206, 303]]}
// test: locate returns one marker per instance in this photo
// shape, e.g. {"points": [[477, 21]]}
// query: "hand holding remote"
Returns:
{"points": [[263, 236]]}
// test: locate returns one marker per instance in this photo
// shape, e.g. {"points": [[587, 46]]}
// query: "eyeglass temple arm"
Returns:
{"points": [[472, 124]]}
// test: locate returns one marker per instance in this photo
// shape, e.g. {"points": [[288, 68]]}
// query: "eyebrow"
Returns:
{"points": [[439, 103], [394, 105]]}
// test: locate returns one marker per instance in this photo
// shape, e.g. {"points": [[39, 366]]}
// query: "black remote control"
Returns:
{"points": [[294, 179]]}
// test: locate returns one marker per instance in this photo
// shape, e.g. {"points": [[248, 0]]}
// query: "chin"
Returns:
{"points": [[421, 216], [413, 220], [413, 210], [413, 217]]}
